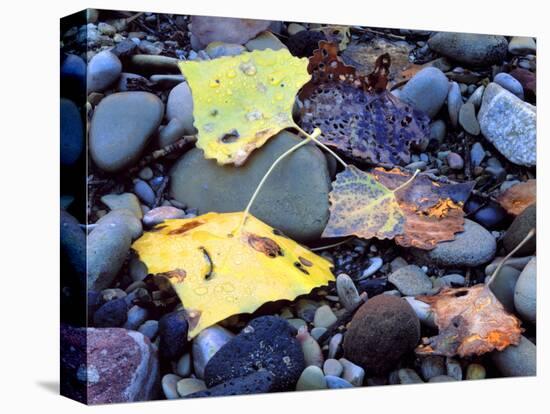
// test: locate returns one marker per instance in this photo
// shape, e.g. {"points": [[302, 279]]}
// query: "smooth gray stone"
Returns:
{"points": [[469, 48], [525, 295], [517, 361]]}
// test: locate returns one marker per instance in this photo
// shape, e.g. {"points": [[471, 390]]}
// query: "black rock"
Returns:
{"points": [[491, 216], [303, 43], [73, 358], [255, 383], [173, 329], [373, 287], [111, 314], [267, 343]]}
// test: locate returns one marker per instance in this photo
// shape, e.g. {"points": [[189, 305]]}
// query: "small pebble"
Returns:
{"points": [[137, 269], [188, 386], [297, 323], [333, 367], [375, 263], [136, 317], [455, 161], [159, 214], [169, 386], [335, 344], [183, 366], [353, 373], [149, 329], [144, 192], [312, 378], [337, 382], [324, 317], [442, 378], [454, 369], [454, 102], [146, 174], [432, 366], [316, 333], [408, 376], [468, 120], [347, 292], [310, 347], [477, 154], [475, 372]]}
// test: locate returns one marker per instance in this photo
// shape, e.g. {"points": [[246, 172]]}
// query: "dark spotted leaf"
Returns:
{"points": [[357, 114]]}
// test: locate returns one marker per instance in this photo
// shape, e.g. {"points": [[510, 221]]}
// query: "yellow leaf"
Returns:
{"points": [[218, 272], [239, 102], [362, 206]]}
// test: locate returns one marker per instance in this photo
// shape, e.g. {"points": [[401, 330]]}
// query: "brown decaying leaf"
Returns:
{"points": [[471, 321], [356, 113], [518, 197], [433, 211]]}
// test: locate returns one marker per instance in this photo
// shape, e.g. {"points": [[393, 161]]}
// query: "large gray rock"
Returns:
{"points": [[426, 90], [294, 199], [525, 295], [473, 247], [122, 366], [121, 127], [517, 361], [470, 48], [103, 70], [107, 247], [510, 124], [504, 286]]}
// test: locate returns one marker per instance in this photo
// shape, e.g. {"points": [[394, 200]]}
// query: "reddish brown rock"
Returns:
{"points": [[380, 333], [122, 367], [529, 82]]}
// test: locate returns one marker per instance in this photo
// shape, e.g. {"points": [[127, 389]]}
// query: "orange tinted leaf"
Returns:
{"points": [[471, 321], [433, 211], [518, 197], [362, 206]]}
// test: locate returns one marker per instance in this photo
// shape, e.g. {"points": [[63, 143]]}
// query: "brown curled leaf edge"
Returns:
{"points": [[357, 114], [471, 321]]}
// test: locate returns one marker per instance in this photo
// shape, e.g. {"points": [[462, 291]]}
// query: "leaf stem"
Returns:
{"points": [[328, 246], [309, 138], [314, 139], [497, 270], [406, 182]]}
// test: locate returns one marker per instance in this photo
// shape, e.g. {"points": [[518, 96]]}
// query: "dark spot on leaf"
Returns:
{"points": [[209, 262], [230, 137], [185, 227], [264, 245], [298, 266], [158, 228]]}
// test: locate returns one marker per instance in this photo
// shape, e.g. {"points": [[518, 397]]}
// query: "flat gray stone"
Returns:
{"points": [[503, 286], [121, 127], [525, 295], [517, 361], [180, 105], [411, 280], [294, 198], [470, 48], [509, 124], [510, 83], [473, 247], [468, 120]]}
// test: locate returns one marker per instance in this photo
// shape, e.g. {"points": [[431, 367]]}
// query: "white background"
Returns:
{"points": [[29, 226]]}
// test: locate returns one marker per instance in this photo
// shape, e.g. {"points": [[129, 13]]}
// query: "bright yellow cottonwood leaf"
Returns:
{"points": [[218, 272], [239, 102], [362, 206]]}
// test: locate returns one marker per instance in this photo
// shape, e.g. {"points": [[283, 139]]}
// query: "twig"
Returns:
{"points": [[163, 152], [406, 182], [160, 191], [329, 246], [315, 133], [314, 139], [342, 320], [497, 270]]}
